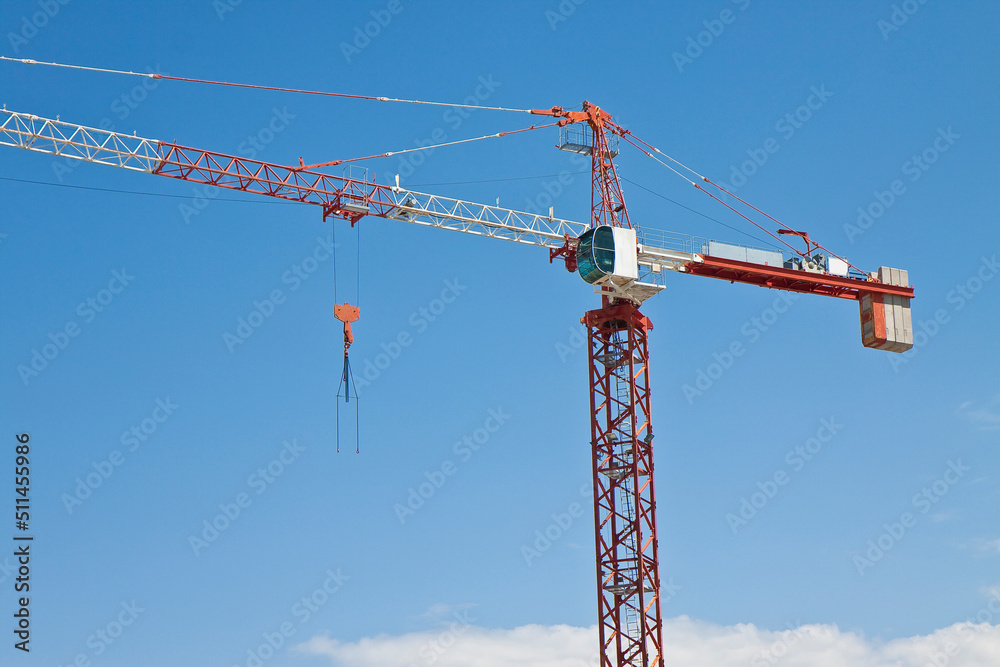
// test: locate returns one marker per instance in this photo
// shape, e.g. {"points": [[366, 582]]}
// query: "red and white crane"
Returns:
{"points": [[625, 265]]}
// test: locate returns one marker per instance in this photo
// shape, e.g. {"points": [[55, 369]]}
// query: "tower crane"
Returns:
{"points": [[624, 264]]}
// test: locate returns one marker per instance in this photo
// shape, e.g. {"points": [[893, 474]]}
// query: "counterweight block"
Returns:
{"points": [[886, 322]]}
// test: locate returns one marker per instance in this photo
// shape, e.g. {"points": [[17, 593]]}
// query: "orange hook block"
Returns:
{"points": [[347, 313]]}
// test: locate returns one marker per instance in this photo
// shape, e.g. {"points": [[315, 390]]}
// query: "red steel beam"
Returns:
{"points": [[792, 280], [310, 187]]}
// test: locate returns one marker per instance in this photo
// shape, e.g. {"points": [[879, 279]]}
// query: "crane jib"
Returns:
{"points": [[353, 199]]}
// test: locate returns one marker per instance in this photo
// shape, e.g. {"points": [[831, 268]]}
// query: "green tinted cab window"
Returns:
{"points": [[595, 253]]}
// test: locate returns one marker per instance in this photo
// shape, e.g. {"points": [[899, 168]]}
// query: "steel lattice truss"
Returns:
{"points": [[352, 199], [79, 142], [338, 196], [607, 203], [343, 197], [624, 504]]}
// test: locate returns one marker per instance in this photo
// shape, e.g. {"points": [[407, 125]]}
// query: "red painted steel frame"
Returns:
{"points": [[628, 581], [311, 187], [791, 280], [607, 204], [606, 201]]}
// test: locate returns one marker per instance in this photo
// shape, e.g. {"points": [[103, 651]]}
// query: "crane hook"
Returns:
{"points": [[346, 313]]}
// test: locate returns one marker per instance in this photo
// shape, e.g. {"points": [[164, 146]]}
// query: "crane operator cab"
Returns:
{"points": [[607, 256]]}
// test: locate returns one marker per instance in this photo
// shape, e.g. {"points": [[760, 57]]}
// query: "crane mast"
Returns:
{"points": [[630, 623], [624, 268]]}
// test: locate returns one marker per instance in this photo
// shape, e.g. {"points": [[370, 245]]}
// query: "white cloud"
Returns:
{"points": [[986, 415], [986, 546], [688, 643], [441, 612], [982, 547], [468, 646], [991, 592]]}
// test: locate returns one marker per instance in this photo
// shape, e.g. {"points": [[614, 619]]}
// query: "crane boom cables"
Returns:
{"points": [[424, 148], [325, 93], [629, 138], [645, 147], [648, 150]]}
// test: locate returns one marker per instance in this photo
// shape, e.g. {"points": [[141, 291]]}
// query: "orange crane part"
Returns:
{"points": [[347, 313]]}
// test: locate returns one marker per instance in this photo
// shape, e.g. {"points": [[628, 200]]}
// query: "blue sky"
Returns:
{"points": [[902, 127]]}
